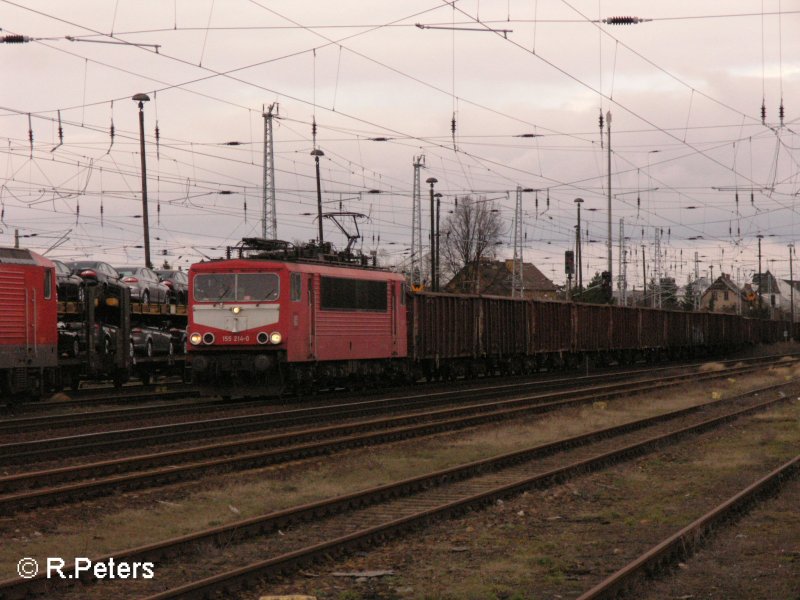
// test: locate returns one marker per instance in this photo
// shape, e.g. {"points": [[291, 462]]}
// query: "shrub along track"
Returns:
{"points": [[59, 485], [299, 536]]}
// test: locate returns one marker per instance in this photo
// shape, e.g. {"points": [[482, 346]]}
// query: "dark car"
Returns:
{"points": [[151, 341], [95, 272], [70, 286], [145, 285], [72, 338], [178, 282]]}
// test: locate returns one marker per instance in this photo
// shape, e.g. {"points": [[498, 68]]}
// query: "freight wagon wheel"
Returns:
{"points": [[149, 349], [106, 346], [76, 348], [81, 294], [146, 299]]}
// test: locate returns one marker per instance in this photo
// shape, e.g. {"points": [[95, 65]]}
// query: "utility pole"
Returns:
{"points": [[431, 181], [516, 271], [578, 250], [438, 197], [644, 277], [760, 276], [316, 153], [791, 290], [623, 283], [416, 224], [610, 240], [141, 99], [657, 274], [269, 214], [696, 281]]}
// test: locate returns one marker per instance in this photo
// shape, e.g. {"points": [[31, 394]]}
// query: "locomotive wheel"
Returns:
{"points": [[149, 349], [145, 297]]}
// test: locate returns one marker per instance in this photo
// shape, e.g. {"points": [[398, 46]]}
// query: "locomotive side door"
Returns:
{"points": [[312, 319], [393, 288]]}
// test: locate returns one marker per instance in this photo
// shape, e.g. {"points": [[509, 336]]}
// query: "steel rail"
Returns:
{"points": [[103, 477], [125, 439], [681, 544], [246, 528]]}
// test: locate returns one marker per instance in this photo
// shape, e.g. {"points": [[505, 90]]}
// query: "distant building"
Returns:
{"points": [[777, 295], [724, 296], [494, 278]]}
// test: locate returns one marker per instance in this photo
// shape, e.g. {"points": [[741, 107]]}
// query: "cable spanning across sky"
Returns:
{"points": [[515, 105]]}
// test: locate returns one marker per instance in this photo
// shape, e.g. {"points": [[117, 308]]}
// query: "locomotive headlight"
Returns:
{"points": [[195, 338], [236, 310], [275, 337]]}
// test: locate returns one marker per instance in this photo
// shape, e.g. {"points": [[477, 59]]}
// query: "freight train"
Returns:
{"points": [[271, 317], [47, 343]]}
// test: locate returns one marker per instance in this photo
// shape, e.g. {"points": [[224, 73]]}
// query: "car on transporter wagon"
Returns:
{"points": [[145, 285]]}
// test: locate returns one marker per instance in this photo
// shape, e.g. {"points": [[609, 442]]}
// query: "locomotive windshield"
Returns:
{"points": [[233, 287]]}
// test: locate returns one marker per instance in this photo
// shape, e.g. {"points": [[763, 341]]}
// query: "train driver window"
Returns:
{"points": [[296, 284], [257, 287]]}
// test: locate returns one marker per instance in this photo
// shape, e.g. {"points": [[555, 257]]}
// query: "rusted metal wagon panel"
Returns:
{"points": [[445, 326], [678, 331], [592, 327], [624, 328], [552, 327], [652, 328], [504, 326]]}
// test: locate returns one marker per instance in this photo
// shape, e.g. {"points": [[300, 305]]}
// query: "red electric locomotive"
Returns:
{"points": [[272, 317], [28, 317]]}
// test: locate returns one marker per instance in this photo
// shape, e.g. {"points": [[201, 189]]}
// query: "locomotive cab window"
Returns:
{"points": [[257, 287], [296, 285], [337, 293], [229, 287]]}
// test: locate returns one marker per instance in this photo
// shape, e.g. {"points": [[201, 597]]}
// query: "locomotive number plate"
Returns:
{"points": [[235, 338]]}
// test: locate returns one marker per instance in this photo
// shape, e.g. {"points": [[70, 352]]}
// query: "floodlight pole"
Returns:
{"points": [[141, 99], [431, 181]]}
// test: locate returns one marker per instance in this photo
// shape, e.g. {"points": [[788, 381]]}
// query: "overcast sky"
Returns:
{"points": [[685, 92]]}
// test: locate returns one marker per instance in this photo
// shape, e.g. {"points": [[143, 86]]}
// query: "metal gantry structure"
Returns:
{"points": [[416, 224], [517, 281], [269, 218]]}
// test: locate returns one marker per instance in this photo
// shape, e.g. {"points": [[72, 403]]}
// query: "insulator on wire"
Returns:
{"points": [[245, 210], [30, 133], [158, 137], [600, 120], [763, 113], [536, 200], [752, 199], [61, 129], [624, 20], [101, 211], [15, 39], [780, 112]]}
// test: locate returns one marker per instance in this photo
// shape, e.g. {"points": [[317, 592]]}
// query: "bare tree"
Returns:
{"points": [[469, 236]]}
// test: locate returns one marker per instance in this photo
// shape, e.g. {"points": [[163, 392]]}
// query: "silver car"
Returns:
{"points": [[145, 285]]}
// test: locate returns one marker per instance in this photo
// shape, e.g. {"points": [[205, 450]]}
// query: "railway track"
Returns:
{"points": [[157, 408], [205, 429], [299, 536], [65, 484], [682, 543]]}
